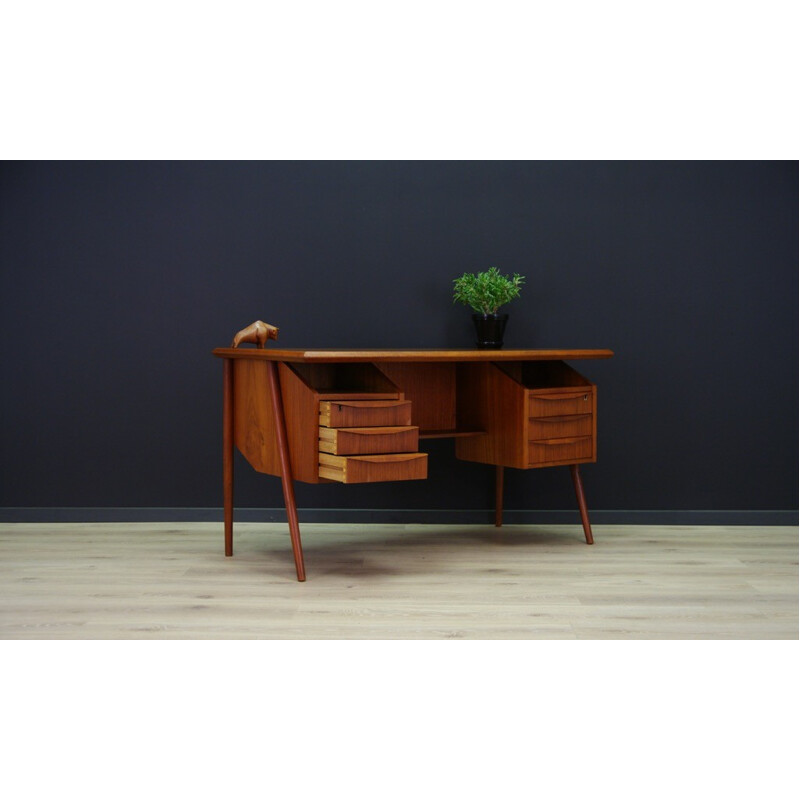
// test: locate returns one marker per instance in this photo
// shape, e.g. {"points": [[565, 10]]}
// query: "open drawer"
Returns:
{"points": [[373, 468], [358, 413], [369, 441]]}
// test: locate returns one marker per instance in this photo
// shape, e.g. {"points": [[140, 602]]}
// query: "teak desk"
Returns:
{"points": [[356, 416]]}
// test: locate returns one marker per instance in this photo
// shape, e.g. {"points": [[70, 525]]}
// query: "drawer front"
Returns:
{"points": [[354, 441], [560, 427], [371, 469], [560, 404], [572, 449], [357, 413]]}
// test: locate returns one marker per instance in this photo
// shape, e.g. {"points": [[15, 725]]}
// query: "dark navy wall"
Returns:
{"points": [[118, 279]]}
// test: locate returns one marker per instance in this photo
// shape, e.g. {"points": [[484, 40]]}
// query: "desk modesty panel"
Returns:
{"points": [[357, 416]]}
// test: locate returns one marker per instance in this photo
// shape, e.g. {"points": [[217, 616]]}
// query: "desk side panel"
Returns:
{"points": [[253, 426], [301, 409], [489, 399]]}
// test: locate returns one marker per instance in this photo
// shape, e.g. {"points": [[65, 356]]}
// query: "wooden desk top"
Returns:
{"points": [[344, 356]]}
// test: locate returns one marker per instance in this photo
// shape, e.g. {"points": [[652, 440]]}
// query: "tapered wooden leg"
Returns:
{"points": [[498, 496], [286, 468], [227, 452], [576, 480]]}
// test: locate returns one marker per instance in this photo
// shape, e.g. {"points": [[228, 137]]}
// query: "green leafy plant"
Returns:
{"points": [[486, 291]]}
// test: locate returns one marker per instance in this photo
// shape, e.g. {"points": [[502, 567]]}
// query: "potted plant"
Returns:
{"points": [[485, 292]]}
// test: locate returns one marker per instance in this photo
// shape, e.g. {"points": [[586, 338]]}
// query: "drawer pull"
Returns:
{"points": [[570, 396], [375, 468], [567, 440], [565, 418]]}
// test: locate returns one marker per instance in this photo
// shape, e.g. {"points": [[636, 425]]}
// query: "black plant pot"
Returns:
{"points": [[490, 329]]}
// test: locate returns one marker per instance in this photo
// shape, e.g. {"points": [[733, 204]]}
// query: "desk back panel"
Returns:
{"points": [[431, 388]]}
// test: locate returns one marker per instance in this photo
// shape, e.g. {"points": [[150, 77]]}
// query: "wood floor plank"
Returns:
{"points": [[171, 581]]}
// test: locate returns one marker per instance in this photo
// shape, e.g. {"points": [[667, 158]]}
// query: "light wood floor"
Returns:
{"points": [[171, 581]]}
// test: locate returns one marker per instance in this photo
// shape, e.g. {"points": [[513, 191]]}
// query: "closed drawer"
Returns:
{"points": [[371, 469], [560, 404], [574, 448], [358, 413], [354, 441], [560, 427]]}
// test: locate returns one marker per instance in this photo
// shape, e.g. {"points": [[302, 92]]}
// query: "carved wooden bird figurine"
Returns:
{"points": [[257, 332]]}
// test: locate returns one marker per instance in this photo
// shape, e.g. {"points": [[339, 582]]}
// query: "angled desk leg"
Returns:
{"points": [[286, 468], [498, 496], [576, 480], [227, 451]]}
